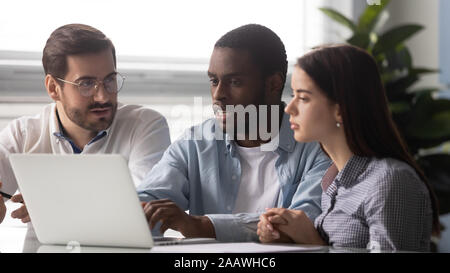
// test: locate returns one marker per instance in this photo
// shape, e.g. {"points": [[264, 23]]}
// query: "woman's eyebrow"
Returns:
{"points": [[302, 91]]}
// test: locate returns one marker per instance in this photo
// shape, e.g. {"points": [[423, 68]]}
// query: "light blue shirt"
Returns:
{"points": [[203, 176]]}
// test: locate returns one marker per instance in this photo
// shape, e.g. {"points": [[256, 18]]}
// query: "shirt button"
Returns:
{"points": [[57, 140], [289, 146], [233, 177], [229, 208]]}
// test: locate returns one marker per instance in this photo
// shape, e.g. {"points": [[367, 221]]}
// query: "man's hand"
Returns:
{"points": [[171, 216], [2, 206], [22, 212]]}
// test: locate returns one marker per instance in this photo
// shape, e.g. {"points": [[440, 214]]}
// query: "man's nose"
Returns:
{"points": [[100, 93], [219, 91]]}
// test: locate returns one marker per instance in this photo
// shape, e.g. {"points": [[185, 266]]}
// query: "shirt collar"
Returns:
{"points": [[329, 177], [285, 136], [352, 169], [58, 129]]}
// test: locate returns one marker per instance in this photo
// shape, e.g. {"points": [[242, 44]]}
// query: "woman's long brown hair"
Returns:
{"points": [[349, 76]]}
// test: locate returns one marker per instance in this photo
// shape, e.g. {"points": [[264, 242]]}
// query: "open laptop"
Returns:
{"points": [[87, 199]]}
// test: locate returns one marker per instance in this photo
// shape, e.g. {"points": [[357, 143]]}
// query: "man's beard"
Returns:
{"points": [[79, 117], [240, 127]]}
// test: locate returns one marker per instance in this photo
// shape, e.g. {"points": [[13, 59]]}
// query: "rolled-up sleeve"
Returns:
{"points": [[167, 179], [308, 194], [239, 227]]}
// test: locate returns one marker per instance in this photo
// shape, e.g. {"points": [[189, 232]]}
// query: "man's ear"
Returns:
{"points": [[53, 88], [274, 85]]}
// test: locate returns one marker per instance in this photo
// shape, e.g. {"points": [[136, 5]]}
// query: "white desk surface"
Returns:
{"points": [[16, 237]]}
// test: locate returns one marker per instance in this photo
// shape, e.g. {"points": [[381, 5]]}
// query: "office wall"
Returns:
{"points": [[444, 42], [424, 46]]}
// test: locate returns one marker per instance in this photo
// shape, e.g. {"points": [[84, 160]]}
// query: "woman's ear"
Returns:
{"points": [[53, 88]]}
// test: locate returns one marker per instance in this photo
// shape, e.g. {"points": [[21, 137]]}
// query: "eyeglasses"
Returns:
{"points": [[88, 87]]}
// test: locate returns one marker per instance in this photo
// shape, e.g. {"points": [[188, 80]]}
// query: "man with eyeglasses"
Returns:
{"points": [[81, 77]]}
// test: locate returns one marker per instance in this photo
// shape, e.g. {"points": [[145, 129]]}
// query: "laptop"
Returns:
{"points": [[87, 199]]}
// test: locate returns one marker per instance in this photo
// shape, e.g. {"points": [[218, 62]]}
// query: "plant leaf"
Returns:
{"points": [[436, 126], [399, 107], [369, 18], [398, 58], [393, 37], [430, 118], [339, 17], [421, 91], [396, 90], [360, 40], [423, 70]]}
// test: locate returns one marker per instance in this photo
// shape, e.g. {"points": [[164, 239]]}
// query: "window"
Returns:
{"points": [[163, 47], [172, 28]]}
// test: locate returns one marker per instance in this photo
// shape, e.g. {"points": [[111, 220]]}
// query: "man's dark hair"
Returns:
{"points": [[265, 47], [72, 39]]}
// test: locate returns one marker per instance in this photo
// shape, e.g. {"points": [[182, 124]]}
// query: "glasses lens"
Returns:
{"points": [[119, 81], [86, 87], [113, 83]]}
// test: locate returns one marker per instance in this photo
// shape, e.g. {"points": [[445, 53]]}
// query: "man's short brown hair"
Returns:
{"points": [[72, 39]]}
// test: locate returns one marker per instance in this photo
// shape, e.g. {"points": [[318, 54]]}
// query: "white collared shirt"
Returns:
{"points": [[139, 134]]}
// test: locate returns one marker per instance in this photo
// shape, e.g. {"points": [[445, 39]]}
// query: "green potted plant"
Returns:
{"points": [[423, 120]]}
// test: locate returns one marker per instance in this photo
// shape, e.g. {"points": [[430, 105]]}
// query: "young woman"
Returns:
{"points": [[374, 194]]}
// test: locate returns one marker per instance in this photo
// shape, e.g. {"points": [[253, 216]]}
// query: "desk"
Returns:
{"points": [[17, 237], [22, 239]]}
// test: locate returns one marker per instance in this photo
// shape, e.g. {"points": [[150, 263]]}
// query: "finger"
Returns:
{"points": [[265, 223], [164, 226], [261, 228], [150, 209], [270, 232], [277, 220], [274, 211], [268, 237], [161, 214], [158, 203], [20, 213], [286, 214], [18, 198], [264, 240], [275, 234], [26, 219], [262, 224], [267, 231]]}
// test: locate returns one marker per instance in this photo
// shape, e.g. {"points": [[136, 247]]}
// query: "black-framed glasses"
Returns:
{"points": [[88, 87]]}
